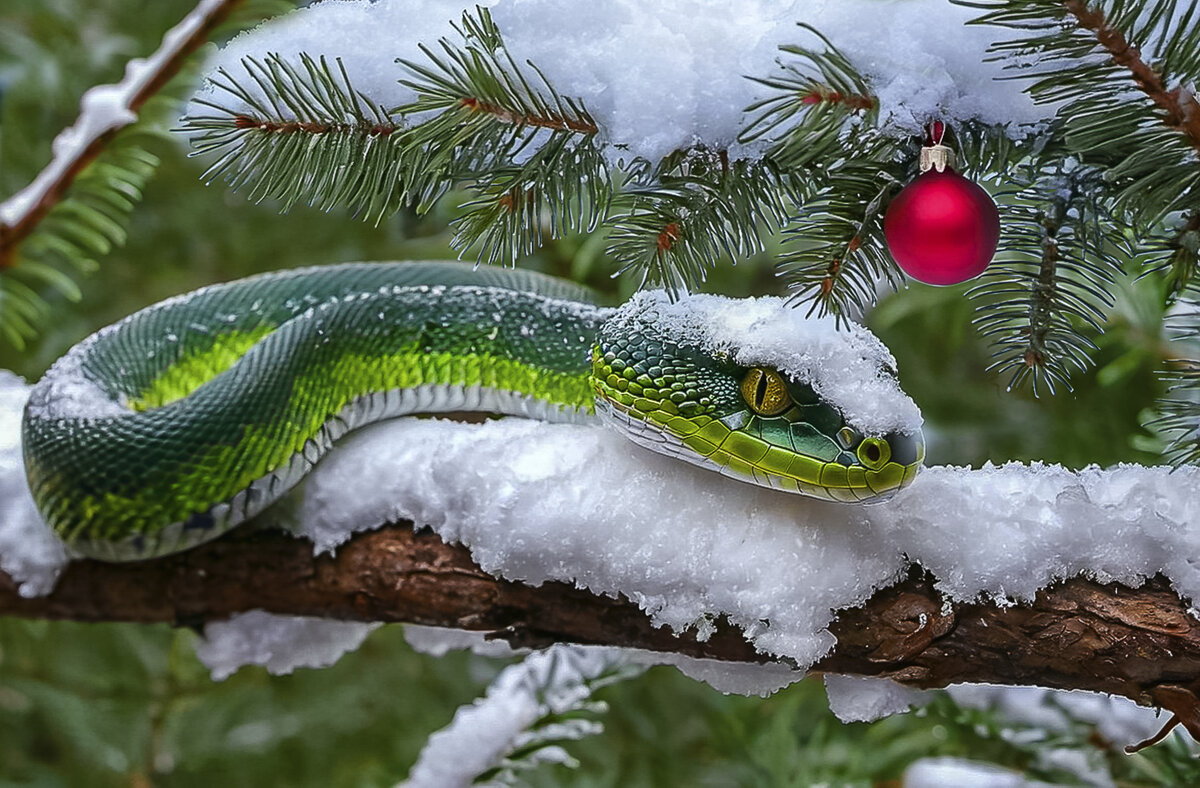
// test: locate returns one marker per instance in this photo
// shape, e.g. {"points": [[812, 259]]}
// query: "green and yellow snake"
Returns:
{"points": [[185, 419]]}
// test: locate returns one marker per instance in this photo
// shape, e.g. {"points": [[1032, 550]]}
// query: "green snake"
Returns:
{"points": [[170, 427]]}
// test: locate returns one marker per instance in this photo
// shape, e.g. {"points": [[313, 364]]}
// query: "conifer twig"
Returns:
{"points": [[106, 109], [1180, 105]]}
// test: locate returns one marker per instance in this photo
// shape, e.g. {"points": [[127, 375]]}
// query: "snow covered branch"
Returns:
{"points": [[1140, 643], [105, 110]]}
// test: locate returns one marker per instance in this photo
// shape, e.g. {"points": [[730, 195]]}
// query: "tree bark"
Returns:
{"points": [[1140, 643]]}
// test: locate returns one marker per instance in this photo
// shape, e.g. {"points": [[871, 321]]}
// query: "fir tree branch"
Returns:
{"points": [[303, 134], [837, 253], [1179, 412], [524, 147], [696, 208], [844, 174], [1177, 257], [106, 110], [816, 94], [530, 710], [1055, 277], [1181, 111]]}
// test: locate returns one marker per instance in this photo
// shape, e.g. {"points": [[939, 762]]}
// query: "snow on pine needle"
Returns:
{"points": [[529, 712]]}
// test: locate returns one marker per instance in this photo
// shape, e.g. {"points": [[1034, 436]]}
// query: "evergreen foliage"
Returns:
{"points": [[531, 158], [129, 705]]}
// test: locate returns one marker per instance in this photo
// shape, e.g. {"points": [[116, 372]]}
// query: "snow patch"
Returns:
{"points": [[67, 391], [577, 503], [30, 553], [866, 699], [1119, 720], [551, 682], [947, 772], [279, 643]]}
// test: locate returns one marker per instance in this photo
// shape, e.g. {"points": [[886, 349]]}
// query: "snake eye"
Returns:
{"points": [[874, 452], [765, 391]]}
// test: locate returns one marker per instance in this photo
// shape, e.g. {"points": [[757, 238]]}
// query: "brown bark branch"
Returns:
{"points": [[12, 235], [1140, 643], [1181, 110]]}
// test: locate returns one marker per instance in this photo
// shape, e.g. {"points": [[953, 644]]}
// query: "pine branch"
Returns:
{"points": [[530, 711], [1139, 643], [838, 253], [1175, 255], [843, 174], [304, 134], [1179, 412], [817, 93], [1055, 277], [1180, 110], [524, 147], [55, 230], [694, 209], [1089, 58]]}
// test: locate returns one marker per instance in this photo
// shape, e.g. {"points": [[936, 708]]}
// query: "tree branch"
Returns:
{"points": [[1180, 107], [1079, 634], [105, 111]]}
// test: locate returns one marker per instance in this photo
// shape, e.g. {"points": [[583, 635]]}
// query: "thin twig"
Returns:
{"points": [[547, 121], [105, 110]]}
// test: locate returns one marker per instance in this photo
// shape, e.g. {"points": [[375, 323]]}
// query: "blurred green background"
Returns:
{"points": [[130, 705]]}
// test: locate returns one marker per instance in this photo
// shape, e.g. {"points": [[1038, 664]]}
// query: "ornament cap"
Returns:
{"points": [[935, 155]]}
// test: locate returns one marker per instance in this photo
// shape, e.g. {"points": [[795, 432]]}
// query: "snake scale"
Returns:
{"points": [[189, 417]]}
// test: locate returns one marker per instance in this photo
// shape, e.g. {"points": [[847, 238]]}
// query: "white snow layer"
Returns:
{"points": [[30, 553], [666, 75], [578, 503], [866, 699], [279, 643], [946, 772]]}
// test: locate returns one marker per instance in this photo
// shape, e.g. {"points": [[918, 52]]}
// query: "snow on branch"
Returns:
{"points": [[1141, 643], [104, 110]]}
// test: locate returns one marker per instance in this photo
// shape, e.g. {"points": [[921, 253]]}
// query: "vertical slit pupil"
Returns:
{"points": [[760, 390]]}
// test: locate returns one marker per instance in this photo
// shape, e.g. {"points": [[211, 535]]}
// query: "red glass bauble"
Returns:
{"points": [[942, 229]]}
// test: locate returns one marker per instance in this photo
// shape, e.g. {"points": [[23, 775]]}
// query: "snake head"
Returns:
{"points": [[757, 392]]}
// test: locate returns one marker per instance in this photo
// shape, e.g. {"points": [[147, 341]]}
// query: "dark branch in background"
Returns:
{"points": [[12, 235], [1139, 643]]}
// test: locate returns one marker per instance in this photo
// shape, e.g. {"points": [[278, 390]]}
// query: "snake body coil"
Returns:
{"points": [[168, 428]]}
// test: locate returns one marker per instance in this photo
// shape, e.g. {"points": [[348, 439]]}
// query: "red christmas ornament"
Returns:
{"points": [[941, 229]]}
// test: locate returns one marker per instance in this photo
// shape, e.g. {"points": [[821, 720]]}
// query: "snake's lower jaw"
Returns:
{"points": [[787, 472]]}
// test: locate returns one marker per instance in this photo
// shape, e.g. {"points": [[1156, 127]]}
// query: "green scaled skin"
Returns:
{"points": [[176, 424]]}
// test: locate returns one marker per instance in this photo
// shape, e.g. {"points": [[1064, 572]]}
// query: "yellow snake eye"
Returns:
{"points": [[874, 452], [765, 391]]}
